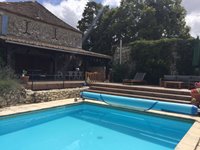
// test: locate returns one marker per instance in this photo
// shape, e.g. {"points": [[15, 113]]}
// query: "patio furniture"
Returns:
{"points": [[188, 81], [173, 83], [59, 75], [78, 75], [70, 75], [138, 78]]}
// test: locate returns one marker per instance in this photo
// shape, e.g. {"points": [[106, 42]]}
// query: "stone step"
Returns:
{"points": [[144, 88], [140, 96], [142, 93]]}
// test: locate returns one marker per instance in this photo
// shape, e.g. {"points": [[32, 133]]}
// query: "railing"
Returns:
{"points": [[36, 79], [70, 75]]}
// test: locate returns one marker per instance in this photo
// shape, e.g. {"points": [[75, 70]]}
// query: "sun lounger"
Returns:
{"points": [[138, 78]]}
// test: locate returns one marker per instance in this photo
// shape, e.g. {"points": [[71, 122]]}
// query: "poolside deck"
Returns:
{"points": [[143, 91]]}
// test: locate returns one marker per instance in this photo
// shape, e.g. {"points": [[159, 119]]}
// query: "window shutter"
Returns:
{"points": [[4, 26]]}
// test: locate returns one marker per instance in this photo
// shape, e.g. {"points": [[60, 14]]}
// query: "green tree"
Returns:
{"points": [[104, 33], [2, 63], [126, 20], [88, 23], [132, 20], [153, 19], [163, 19]]}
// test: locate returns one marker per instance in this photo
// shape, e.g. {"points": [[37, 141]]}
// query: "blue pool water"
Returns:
{"points": [[90, 127]]}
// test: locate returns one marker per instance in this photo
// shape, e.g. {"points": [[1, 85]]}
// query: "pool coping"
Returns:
{"points": [[191, 140]]}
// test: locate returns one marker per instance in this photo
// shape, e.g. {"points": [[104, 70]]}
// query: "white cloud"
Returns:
{"points": [[193, 20], [191, 5], [2, 0], [69, 11], [193, 15], [111, 3]]}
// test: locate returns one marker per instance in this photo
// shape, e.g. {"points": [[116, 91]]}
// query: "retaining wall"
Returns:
{"points": [[28, 96]]}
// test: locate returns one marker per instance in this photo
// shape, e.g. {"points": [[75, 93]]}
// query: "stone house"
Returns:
{"points": [[33, 39]]}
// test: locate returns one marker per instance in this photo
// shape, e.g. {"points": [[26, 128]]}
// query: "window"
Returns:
{"points": [[4, 25]]}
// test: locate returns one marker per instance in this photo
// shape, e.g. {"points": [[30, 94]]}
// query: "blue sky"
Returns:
{"points": [[71, 11]]}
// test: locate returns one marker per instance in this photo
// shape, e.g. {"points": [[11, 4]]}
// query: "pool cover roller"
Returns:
{"points": [[141, 104]]}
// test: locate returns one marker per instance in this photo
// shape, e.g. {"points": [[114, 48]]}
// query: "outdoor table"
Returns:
{"points": [[177, 83]]}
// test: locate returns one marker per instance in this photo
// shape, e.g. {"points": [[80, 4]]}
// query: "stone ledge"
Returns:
{"points": [[29, 96]]}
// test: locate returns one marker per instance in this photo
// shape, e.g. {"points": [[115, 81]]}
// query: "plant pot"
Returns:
{"points": [[24, 79]]}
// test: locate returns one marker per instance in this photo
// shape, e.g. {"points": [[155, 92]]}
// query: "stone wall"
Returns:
{"points": [[126, 52], [12, 97], [52, 95], [36, 30], [27, 96]]}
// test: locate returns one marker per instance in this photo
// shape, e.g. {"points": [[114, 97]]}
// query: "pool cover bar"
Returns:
{"points": [[141, 104]]}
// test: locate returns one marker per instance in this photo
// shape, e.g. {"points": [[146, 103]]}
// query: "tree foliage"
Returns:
{"points": [[91, 10], [2, 63], [132, 20], [163, 19], [88, 24], [155, 57]]}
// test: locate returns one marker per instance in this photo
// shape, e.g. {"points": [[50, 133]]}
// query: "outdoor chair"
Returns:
{"points": [[59, 76], [70, 75], [138, 78]]}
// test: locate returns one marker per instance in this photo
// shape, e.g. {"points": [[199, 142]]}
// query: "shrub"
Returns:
{"points": [[8, 85], [185, 55], [155, 57], [11, 92], [6, 73], [119, 72], [8, 80], [195, 93]]}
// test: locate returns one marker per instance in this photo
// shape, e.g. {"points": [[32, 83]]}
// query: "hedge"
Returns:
{"points": [[156, 56]]}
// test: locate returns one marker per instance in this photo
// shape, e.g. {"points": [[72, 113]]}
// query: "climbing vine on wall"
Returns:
{"points": [[156, 57]]}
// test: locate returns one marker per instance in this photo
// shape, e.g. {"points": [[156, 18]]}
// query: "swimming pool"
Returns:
{"points": [[87, 127]]}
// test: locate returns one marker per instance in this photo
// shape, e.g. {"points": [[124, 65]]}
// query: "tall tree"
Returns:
{"points": [[132, 20], [154, 19], [103, 34], [89, 22], [163, 18]]}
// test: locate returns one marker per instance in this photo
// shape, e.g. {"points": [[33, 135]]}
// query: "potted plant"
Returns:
{"points": [[24, 77], [195, 93]]}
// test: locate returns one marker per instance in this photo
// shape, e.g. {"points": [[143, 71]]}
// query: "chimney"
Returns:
{"points": [[33, 1]]}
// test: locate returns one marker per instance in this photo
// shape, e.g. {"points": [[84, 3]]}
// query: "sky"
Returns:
{"points": [[71, 11]]}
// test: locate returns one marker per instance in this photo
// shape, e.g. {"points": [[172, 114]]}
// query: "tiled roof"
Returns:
{"points": [[19, 41], [36, 11]]}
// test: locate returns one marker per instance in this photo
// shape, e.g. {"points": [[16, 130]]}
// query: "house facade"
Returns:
{"points": [[33, 39]]}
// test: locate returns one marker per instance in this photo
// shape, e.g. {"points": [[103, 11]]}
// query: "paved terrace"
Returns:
{"points": [[191, 141]]}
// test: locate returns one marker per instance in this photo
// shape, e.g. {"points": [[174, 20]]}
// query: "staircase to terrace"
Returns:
{"points": [[146, 92]]}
